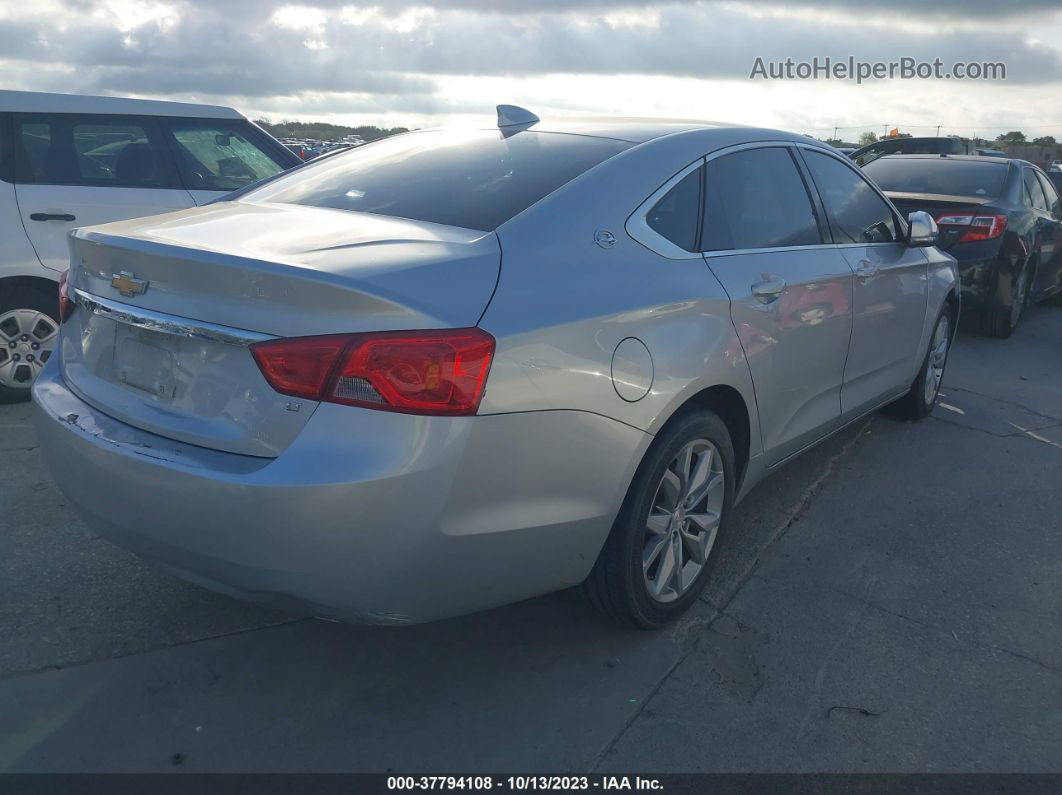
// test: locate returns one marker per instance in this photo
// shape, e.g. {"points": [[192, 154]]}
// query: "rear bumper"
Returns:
{"points": [[977, 280], [367, 516]]}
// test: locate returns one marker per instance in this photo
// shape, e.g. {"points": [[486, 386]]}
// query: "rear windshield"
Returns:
{"points": [[941, 176], [475, 179]]}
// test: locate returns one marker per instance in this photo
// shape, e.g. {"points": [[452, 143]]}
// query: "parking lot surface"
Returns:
{"points": [[891, 601]]}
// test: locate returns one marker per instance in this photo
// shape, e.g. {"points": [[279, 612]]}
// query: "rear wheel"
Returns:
{"points": [[922, 396], [29, 327], [658, 556], [1000, 321]]}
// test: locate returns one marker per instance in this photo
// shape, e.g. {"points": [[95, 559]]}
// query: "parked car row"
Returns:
{"points": [[381, 423], [947, 145], [309, 148], [939, 145]]}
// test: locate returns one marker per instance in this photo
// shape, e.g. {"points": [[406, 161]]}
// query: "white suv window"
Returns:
{"points": [[220, 155], [103, 151]]}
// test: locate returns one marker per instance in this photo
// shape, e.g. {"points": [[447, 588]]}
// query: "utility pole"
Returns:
{"points": [[938, 130], [835, 133]]}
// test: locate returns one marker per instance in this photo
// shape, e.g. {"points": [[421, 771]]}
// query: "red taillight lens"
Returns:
{"points": [[66, 304], [979, 227], [300, 366], [418, 372]]}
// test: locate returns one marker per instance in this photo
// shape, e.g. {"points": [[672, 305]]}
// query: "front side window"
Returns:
{"points": [[678, 214], [476, 179], [104, 151], [220, 154], [857, 213], [757, 199]]}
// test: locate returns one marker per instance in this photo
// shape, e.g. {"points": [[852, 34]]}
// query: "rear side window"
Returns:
{"points": [[102, 151], [220, 154], [677, 215], [476, 179], [1054, 206], [1035, 192], [857, 213], [941, 176], [757, 199]]}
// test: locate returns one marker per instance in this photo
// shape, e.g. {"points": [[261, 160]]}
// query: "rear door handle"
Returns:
{"points": [[769, 287], [866, 271], [52, 217]]}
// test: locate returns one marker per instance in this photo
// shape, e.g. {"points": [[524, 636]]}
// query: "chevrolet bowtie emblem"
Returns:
{"points": [[128, 285]]}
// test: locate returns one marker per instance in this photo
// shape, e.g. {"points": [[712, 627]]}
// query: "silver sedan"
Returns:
{"points": [[457, 368]]}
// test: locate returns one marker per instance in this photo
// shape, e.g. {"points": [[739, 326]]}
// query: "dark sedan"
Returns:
{"points": [[1000, 218]]}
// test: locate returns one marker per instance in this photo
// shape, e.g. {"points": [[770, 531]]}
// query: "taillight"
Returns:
{"points": [[66, 304], [417, 372], [979, 227]]}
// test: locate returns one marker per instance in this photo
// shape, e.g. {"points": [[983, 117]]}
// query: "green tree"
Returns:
{"points": [[867, 138], [1012, 137], [1045, 140]]}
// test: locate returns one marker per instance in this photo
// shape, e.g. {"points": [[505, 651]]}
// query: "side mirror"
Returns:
{"points": [[923, 230]]}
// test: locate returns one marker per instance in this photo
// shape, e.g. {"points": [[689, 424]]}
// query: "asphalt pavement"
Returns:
{"points": [[891, 601]]}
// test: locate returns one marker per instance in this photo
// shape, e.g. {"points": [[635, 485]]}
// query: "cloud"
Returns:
{"points": [[405, 56], [992, 11]]}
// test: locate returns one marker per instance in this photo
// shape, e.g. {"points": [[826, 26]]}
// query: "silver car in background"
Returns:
{"points": [[457, 368]]}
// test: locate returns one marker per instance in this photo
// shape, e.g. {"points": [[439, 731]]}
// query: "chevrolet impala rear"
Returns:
{"points": [[276, 398], [451, 370]]}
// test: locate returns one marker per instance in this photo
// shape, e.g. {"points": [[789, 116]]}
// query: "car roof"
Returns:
{"points": [[40, 102], [641, 130], [634, 129]]}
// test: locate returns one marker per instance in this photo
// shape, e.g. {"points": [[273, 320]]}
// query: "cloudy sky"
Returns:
{"points": [[421, 62]]}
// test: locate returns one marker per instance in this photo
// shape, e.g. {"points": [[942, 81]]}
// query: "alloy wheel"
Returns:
{"points": [[938, 357], [27, 339], [683, 521]]}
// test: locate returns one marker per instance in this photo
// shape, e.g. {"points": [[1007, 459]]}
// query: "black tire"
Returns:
{"points": [[1000, 320], [616, 585], [26, 295], [914, 405]]}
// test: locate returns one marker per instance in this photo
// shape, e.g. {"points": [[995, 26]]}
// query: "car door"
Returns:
{"points": [[76, 170], [890, 289], [790, 291], [1048, 277], [218, 156]]}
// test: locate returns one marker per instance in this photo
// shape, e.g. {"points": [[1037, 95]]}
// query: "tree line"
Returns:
{"points": [[323, 131]]}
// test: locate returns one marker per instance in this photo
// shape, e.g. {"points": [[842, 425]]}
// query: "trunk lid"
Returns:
{"points": [[165, 347], [937, 205]]}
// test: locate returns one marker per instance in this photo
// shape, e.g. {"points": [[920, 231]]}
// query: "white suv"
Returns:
{"points": [[69, 161]]}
